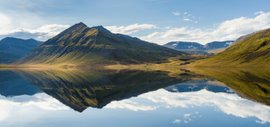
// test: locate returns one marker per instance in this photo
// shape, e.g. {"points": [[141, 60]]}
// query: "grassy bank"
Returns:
{"points": [[173, 66]]}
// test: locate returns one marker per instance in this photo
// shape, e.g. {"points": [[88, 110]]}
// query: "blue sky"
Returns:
{"points": [[158, 16]]}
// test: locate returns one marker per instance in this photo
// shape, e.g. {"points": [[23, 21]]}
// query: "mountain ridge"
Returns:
{"points": [[82, 45], [13, 49], [198, 48]]}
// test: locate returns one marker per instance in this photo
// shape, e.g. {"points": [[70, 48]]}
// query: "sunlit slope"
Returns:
{"points": [[250, 50], [80, 44]]}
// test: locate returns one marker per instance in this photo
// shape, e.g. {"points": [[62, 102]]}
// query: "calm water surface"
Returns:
{"points": [[133, 99]]}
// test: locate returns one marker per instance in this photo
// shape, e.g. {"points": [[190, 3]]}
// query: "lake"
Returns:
{"points": [[130, 98]]}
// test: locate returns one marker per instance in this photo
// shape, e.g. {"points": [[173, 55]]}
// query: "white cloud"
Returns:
{"points": [[23, 106], [130, 105], [186, 13], [5, 23], [185, 16], [186, 118], [27, 25], [176, 121], [230, 104], [176, 13], [130, 29], [41, 33], [227, 30], [172, 34], [187, 19]]}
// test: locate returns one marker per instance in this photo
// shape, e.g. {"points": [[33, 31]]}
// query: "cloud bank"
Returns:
{"points": [[130, 105], [41, 33], [230, 104], [226, 30], [130, 29]]}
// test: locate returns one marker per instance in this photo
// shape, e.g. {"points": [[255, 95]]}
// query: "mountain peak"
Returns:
{"points": [[80, 24], [101, 29], [98, 45], [79, 27], [75, 27]]}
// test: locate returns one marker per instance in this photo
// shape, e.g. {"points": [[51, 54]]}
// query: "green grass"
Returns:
{"points": [[250, 51]]}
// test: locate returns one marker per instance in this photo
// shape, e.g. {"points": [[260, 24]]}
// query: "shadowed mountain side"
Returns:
{"points": [[13, 49], [252, 84], [80, 90]]}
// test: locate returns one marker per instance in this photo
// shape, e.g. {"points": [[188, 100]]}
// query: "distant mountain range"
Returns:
{"points": [[13, 49], [249, 50], [197, 48], [83, 45]]}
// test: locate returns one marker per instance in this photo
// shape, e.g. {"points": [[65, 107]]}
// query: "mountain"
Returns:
{"points": [[197, 48], [249, 50], [13, 49], [188, 47], [181, 45], [83, 45], [217, 45]]}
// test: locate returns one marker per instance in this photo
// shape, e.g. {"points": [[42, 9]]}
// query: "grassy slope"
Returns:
{"points": [[250, 51], [172, 67], [216, 51]]}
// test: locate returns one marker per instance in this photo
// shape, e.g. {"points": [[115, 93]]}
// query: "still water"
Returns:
{"points": [[134, 99]]}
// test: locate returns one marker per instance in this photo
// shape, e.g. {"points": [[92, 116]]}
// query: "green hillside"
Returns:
{"points": [[251, 50], [80, 44]]}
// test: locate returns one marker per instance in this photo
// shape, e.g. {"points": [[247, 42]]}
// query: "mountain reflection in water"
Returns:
{"points": [[239, 93], [81, 89]]}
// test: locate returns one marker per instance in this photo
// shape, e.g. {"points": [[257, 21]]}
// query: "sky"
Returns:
{"points": [[157, 21]]}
